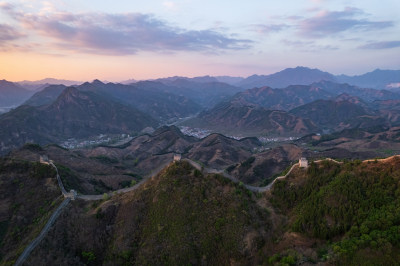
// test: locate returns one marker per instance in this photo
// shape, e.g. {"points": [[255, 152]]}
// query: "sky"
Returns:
{"points": [[116, 40]]}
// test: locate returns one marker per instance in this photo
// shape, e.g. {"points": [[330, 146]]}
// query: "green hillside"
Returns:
{"points": [[29, 194], [179, 217], [353, 208]]}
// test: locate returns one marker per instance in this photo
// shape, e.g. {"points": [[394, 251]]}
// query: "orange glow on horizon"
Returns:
{"points": [[18, 66]]}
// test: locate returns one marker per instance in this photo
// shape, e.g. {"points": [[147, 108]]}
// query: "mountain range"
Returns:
{"points": [[339, 114], [176, 99], [40, 84], [287, 77], [12, 94], [283, 99], [298, 110], [206, 93], [294, 110], [245, 119], [148, 97], [377, 79], [207, 171], [74, 114]]}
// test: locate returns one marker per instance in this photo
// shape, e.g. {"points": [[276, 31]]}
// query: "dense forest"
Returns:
{"points": [[353, 207]]}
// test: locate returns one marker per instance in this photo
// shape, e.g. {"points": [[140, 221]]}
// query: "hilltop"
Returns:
{"points": [[177, 217], [349, 211], [330, 213]]}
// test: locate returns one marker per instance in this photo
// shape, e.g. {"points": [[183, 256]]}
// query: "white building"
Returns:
{"points": [[303, 162]]}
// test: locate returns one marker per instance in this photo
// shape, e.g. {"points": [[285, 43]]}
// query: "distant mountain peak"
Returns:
{"points": [[303, 69], [49, 81], [9, 83], [290, 76], [377, 79], [97, 82], [12, 94]]}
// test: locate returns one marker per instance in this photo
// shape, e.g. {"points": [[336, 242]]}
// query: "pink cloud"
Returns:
{"points": [[121, 34]]}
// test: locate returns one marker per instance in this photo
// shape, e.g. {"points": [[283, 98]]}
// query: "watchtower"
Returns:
{"points": [[44, 159], [303, 163], [177, 157]]}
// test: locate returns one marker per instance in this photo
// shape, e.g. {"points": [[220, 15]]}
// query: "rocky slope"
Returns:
{"points": [[45, 96], [242, 118], [339, 114], [282, 99], [29, 194]]}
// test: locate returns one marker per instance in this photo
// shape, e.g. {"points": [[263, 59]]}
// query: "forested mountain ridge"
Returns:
{"points": [[328, 213], [353, 208]]}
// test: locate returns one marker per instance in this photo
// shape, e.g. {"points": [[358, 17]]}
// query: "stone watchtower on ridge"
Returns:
{"points": [[177, 157], [44, 159], [303, 163]]}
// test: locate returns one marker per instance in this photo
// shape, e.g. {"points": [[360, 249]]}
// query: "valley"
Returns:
{"points": [[116, 140], [201, 133], [194, 170]]}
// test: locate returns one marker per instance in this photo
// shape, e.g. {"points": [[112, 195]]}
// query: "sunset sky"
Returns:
{"points": [[123, 39]]}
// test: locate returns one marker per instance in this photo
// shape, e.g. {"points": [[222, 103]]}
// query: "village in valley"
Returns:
{"points": [[102, 139]]}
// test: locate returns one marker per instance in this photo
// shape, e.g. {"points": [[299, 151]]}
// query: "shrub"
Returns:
{"points": [[106, 196], [247, 164], [88, 256]]}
